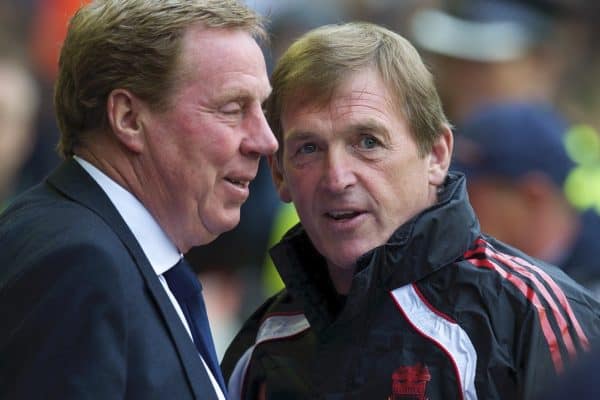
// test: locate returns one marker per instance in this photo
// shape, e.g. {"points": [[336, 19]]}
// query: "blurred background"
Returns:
{"points": [[519, 80]]}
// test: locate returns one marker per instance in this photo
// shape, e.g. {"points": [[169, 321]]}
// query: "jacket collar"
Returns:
{"points": [[157, 246], [429, 241], [72, 181]]}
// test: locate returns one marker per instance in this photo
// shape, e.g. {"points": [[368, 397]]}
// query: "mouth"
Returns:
{"points": [[342, 215], [239, 182]]}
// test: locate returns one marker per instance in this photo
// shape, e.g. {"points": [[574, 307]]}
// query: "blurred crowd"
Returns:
{"points": [[519, 80]]}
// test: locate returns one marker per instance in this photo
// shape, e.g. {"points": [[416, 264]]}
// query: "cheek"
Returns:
{"points": [[390, 181], [400, 195], [300, 194], [302, 190], [218, 144], [206, 146], [301, 180], [210, 156]]}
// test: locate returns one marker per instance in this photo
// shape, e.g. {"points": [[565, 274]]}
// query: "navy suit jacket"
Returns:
{"points": [[82, 313]]}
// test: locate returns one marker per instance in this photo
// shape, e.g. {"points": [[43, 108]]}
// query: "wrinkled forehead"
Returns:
{"points": [[309, 98]]}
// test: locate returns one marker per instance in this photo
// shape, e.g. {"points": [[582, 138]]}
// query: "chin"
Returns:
{"points": [[217, 224], [228, 223]]}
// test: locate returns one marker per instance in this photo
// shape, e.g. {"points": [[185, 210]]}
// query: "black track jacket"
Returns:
{"points": [[440, 312]]}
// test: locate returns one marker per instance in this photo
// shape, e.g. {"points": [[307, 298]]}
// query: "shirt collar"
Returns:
{"points": [[158, 248]]}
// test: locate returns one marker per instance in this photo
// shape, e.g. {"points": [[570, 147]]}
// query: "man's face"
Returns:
{"points": [[205, 149], [352, 169]]}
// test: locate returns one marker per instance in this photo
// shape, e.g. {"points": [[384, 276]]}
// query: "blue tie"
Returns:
{"points": [[187, 290]]}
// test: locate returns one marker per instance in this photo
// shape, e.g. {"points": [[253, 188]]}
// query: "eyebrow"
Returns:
{"points": [[370, 124], [297, 135], [243, 93]]}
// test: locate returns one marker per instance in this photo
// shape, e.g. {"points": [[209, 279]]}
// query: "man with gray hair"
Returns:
{"points": [[159, 104], [392, 290]]}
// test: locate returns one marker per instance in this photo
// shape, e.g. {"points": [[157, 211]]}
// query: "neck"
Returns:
{"points": [[128, 171], [341, 277]]}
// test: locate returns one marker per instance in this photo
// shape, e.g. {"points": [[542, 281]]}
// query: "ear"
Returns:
{"points": [[440, 156], [123, 110], [279, 178]]}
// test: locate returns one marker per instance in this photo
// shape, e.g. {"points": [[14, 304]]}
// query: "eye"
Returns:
{"points": [[307, 148], [368, 142], [232, 108]]}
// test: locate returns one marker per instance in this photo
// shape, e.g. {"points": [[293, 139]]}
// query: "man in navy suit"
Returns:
{"points": [[159, 106]]}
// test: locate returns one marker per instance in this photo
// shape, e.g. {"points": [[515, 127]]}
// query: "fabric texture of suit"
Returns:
{"points": [[82, 312]]}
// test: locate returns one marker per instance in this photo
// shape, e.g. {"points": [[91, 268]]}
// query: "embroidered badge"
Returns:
{"points": [[410, 382]]}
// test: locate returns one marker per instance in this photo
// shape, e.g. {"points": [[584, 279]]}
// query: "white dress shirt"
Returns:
{"points": [[158, 248]]}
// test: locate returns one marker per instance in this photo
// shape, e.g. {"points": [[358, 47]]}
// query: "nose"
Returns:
{"points": [[260, 140], [338, 174]]}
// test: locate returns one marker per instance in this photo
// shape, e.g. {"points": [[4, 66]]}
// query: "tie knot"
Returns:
{"points": [[182, 281]]}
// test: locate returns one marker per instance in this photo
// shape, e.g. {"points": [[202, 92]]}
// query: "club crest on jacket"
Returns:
{"points": [[410, 382]]}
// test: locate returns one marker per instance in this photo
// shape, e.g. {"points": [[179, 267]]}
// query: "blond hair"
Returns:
{"points": [[314, 66], [134, 45]]}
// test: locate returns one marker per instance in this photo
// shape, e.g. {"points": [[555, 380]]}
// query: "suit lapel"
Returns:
{"points": [[73, 182]]}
